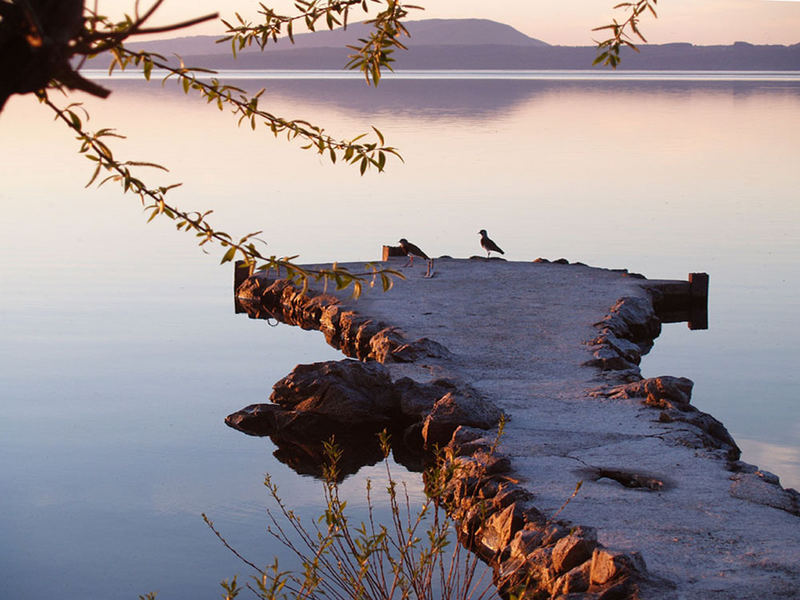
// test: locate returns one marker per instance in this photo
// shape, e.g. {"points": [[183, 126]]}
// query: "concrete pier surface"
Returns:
{"points": [[541, 342]]}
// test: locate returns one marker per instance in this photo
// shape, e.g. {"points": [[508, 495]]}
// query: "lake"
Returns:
{"points": [[121, 353]]}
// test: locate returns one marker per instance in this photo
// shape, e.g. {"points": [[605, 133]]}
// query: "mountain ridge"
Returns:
{"points": [[471, 44]]}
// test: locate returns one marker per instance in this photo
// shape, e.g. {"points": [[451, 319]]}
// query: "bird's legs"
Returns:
{"points": [[429, 272], [410, 261]]}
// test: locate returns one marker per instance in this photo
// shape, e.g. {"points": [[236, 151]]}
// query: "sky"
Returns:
{"points": [[560, 22]]}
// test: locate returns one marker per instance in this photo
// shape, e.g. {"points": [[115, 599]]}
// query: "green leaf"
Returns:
{"points": [[379, 134], [228, 256]]}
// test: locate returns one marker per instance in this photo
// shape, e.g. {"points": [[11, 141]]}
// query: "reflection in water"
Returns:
{"points": [[305, 453], [475, 99]]}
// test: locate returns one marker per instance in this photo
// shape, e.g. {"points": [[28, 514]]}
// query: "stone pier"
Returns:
{"points": [[665, 509]]}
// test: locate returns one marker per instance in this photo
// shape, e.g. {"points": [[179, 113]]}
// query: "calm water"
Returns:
{"points": [[121, 354]]}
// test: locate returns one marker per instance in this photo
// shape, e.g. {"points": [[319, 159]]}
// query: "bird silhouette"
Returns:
{"points": [[488, 245], [412, 250]]}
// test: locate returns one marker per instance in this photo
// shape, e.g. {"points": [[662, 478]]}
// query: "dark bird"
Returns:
{"points": [[488, 245], [412, 250]]}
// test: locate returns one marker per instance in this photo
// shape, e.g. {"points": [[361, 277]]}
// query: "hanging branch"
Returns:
{"points": [[94, 146], [608, 51], [370, 57]]}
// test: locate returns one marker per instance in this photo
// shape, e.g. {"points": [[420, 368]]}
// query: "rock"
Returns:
{"points": [[500, 528], [634, 318], [418, 399], [384, 343], [252, 288], [365, 333], [349, 322], [608, 565], [764, 488], [525, 541], [664, 392], [492, 463], [554, 532], [329, 324], [421, 348], [512, 575], [739, 466], [625, 348], [510, 493], [468, 441], [714, 434], [571, 551], [622, 590], [346, 392], [540, 568], [575, 581], [454, 409], [608, 359]]}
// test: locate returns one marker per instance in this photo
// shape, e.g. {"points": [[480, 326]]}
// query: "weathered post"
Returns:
{"points": [[698, 301], [390, 251], [241, 271]]}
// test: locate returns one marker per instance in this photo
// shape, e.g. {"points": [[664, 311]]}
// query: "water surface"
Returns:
{"points": [[121, 354]]}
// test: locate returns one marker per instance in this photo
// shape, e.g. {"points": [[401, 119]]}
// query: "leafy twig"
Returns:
{"points": [[608, 50], [95, 148]]}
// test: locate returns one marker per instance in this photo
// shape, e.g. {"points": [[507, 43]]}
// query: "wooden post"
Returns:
{"points": [[698, 286], [390, 251], [698, 301]]}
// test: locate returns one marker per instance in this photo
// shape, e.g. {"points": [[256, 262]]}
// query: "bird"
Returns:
{"points": [[412, 250], [488, 245]]}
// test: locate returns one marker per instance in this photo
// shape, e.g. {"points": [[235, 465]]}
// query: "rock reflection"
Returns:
{"points": [[302, 446]]}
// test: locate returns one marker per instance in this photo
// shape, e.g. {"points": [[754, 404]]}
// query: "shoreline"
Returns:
{"points": [[553, 347]]}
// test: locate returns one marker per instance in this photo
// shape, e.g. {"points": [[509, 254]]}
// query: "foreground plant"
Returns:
{"points": [[414, 556]]}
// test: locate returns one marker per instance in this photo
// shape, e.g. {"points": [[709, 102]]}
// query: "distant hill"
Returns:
{"points": [[428, 32], [473, 44]]}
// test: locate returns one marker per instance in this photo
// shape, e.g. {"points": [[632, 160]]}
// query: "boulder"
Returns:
{"points": [[418, 399], [608, 565], [634, 318], [500, 528], [571, 551], [625, 348], [383, 343], [764, 488], [419, 349], [663, 392], [574, 581], [607, 358], [526, 541], [714, 434], [347, 392], [454, 409]]}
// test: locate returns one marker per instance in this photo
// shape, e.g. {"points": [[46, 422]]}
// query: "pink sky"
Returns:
{"points": [[567, 22]]}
